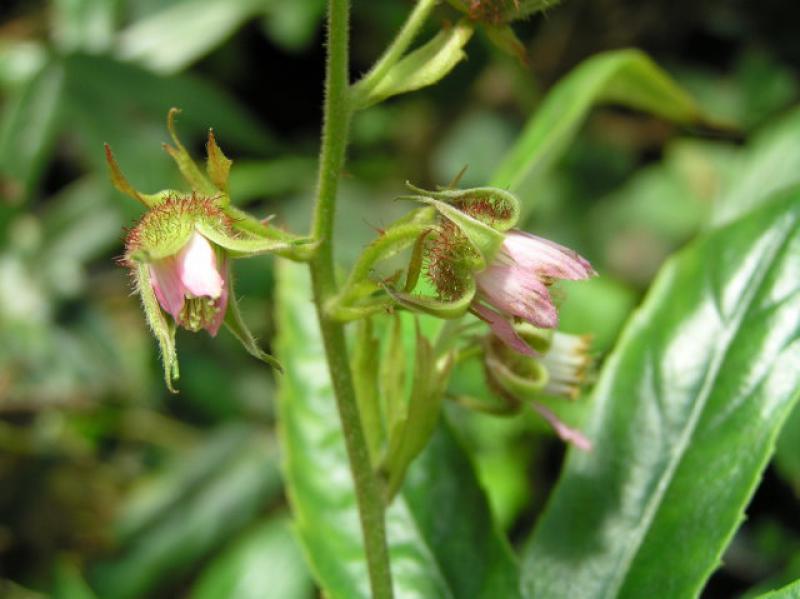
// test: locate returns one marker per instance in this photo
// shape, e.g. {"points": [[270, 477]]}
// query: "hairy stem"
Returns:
{"points": [[338, 110]]}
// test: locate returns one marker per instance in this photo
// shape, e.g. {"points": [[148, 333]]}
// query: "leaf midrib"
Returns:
{"points": [[684, 438]]}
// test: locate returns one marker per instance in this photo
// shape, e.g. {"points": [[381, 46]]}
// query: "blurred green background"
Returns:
{"points": [[111, 486]]}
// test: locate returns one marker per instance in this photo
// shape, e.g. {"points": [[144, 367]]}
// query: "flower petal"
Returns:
{"points": [[566, 433], [197, 266], [546, 257], [518, 292], [503, 329], [221, 303], [166, 282]]}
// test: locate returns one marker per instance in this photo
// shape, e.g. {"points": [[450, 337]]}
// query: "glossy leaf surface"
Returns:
{"points": [[686, 414], [442, 546], [265, 563]]}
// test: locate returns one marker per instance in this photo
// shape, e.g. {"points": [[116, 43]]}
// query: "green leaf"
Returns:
{"points": [[266, 563], [29, 128], [686, 414], [293, 25], [790, 591], [125, 105], [440, 546], [173, 38], [626, 77], [68, 582], [422, 67], [84, 25], [203, 518], [787, 452], [768, 165]]}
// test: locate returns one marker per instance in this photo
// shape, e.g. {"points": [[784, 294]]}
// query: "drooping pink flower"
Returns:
{"points": [[516, 284], [192, 286]]}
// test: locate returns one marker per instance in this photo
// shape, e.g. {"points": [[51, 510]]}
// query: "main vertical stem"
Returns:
{"points": [[335, 130]]}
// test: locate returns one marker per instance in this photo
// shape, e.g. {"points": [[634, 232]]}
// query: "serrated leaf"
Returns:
{"points": [[463, 558], [422, 67], [626, 77], [686, 414]]}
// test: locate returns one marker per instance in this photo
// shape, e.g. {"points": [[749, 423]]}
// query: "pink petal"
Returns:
{"points": [[546, 257], [566, 433], [503, 329], [519, 292], [197, 265], [221, 303], [167, 285]]}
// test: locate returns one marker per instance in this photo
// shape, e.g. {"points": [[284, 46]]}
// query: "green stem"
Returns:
{"points": [[397, 48], [338, 110]]}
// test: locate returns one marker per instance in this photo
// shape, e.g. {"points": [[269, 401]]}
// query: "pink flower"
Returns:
{"points": [[515, 284], [191, 286]]}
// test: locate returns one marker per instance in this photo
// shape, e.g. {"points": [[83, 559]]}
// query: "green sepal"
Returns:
{"points": [[507, 380], [505, 204], [243, 248], [364, 309], [122, 184], [236, 325], [190, 171], [514, 374], [162, 327], [485, 239], [409, 436], [538, 339], [433, 306], [365, 365], [416, 262], [168, 246], [299, 249], [422, 67], [393, 376], [504, 38], [360, 283], [218, 166]]}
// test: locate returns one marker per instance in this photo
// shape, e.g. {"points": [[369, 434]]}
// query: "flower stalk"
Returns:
{"points": [[337, 114]]}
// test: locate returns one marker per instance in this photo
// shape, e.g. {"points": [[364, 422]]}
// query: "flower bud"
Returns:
{"points": [[188, 273], [557, 369], [178, 252]]}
